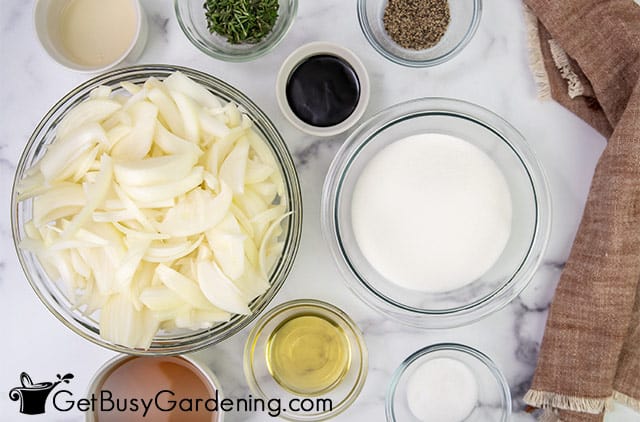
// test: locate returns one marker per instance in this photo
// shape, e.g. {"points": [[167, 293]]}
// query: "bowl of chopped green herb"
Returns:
{"points": [[235, 30], [419, 33]]}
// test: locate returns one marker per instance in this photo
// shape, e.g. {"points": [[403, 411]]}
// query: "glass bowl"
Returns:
{"points": [[494, 397], [191, 17], [464, 20], [530, 216], [170, 342], [340, 394]]}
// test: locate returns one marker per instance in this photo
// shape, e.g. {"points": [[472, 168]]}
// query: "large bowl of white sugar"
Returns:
{"points": [[437, 212]]}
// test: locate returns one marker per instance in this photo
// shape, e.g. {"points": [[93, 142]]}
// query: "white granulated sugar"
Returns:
{"points": [[442, 390], [431, 212]]}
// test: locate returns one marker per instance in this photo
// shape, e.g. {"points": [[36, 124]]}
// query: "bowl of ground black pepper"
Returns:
{"points": [[419, 33], [235, 30]]}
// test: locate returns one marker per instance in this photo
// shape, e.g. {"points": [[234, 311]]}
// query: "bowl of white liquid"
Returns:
{"points": [[91, 35], [437, 212], [448, 383]]}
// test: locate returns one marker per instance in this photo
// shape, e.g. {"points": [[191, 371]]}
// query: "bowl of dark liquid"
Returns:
{"points": [[322, 89]]}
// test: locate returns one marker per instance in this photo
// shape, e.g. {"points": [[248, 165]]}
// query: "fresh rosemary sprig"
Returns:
{"points": [[241, 21]]}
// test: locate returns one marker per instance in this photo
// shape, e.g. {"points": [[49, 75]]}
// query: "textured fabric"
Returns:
{"points": [[627, 381], [591, 347], [569, 416], [586, 106]]}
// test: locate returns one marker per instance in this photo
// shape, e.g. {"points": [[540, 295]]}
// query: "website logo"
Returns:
{"points": [[33, 397]]}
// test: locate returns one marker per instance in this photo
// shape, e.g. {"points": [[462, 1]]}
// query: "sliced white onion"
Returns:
{"points": [[160, 209]]}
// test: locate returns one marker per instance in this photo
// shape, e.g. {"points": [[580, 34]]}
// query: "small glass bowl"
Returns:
{"points": [[465, 18], [531, 216], [192, 20], [263, 384], [494, 397], [177, 341]]}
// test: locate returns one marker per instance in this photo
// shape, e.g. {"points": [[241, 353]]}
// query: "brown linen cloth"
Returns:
{"points": [[590, 353]]}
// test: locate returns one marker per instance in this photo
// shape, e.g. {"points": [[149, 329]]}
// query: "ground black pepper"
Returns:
{"points": [[416, 24]]}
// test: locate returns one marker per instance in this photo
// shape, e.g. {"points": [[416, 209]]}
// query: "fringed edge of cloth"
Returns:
{"points": [[536, 60], [575, 88], [627, 400], [546, 400], [549, 416]]}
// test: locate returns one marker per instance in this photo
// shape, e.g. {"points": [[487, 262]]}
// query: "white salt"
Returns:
{"points": [[431, 212], [443, 390]]}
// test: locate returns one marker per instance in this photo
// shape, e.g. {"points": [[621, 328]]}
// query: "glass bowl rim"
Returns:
{"points": [[244, 55], [455, 347], [190, 341], [368, 34], [292, 305], [479, 308]]}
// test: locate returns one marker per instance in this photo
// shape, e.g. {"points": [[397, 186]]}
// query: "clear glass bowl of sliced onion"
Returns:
{"points": [[156, 210]]}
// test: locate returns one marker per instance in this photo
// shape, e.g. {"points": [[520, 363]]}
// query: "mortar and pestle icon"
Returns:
{"points": [[33, 397]]}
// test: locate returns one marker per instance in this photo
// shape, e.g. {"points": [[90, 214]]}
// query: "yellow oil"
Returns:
{"points": [[308, 354]]}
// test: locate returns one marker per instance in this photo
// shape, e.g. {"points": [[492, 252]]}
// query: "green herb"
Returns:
{"points": [[241, 21]]}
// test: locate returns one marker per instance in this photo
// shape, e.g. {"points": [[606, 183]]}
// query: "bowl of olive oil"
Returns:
{"points": [[309, 353]]}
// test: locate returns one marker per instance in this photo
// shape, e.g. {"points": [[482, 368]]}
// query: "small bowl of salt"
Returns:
{"points": [[448, 383]]}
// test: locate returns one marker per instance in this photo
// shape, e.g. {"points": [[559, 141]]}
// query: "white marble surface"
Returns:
{"points": [[492, 71]]}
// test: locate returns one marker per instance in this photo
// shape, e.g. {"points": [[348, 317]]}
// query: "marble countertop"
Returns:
{"points": [[491, 71]]}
